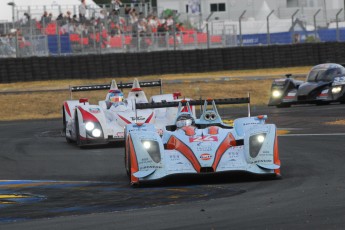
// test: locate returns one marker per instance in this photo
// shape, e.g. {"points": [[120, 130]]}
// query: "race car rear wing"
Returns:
{"points": [[226, 101], [119, 85]]}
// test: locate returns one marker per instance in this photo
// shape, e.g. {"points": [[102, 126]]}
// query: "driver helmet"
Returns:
{"points": [[115, 96], [184, 120]]}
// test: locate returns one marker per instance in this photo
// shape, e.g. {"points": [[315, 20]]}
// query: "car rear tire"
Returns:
{"points": [[283, 106], [322, 103]]}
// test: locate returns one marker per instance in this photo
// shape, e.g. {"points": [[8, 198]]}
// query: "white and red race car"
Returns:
{"points": [[88, 124], [202, 146]]}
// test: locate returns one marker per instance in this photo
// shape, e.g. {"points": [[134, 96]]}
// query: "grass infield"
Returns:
{"points": [[44, 105]]}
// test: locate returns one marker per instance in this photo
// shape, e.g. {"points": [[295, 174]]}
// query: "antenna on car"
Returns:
{"points": [[248, 104], [70, 91], [161, 86], [135, 109], [201, 108]]}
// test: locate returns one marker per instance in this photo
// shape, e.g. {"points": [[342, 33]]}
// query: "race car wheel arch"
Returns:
{"points": [[77, 132], [63, 119], [64, 123], [127, 161]]}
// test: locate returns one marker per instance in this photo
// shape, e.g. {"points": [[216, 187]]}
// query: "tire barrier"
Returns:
{"points": [[117, 65]]}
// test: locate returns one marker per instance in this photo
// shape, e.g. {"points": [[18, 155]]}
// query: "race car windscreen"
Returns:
{"points": [[326, 75]]}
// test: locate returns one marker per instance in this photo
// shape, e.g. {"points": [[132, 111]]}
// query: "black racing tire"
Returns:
{"points": [[322, 103], [283, 106], [128, 163], [77, 133], [63, 120]]}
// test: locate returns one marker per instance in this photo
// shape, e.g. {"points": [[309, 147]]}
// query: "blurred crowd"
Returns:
{"points": [[116, 19], [99, 25]]}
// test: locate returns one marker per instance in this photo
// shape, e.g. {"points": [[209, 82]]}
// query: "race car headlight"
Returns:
{"points": [[93, 129], [96, 133], [152, 147], [336, 89], [147, 144], [255, 143], [276, 93], [89, 126]]}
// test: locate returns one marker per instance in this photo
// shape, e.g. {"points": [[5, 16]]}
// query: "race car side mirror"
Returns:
{"points": [[288, 75], [176, 95], [83, 100]]}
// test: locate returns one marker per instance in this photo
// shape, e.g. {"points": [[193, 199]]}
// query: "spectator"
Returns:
{"points": [[142, 27], [141, 17], [115, 5], [128, 10], [133, 16], [82, 11], [170, 21], [75, 19], [50, 17], [44, 19], [152, 23], [180, 27], [163, 28], [26, 19], [67, 17], [113, 16], [59, 19]]}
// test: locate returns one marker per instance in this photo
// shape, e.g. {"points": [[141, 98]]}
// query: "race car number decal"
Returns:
{"points": [[203, 138], [324, 93]]}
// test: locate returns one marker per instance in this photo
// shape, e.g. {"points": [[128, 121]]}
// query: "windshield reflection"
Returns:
{"points": [[326, 75]]}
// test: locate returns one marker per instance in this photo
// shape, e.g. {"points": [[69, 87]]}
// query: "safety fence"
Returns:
{"points": [[118, 65], [137, 27], [72, 39]]}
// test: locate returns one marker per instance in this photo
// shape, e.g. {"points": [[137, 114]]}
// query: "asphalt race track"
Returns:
{"points": [[46, 183]]}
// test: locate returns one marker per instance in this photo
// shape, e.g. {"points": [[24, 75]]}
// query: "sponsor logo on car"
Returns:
{"points": [[262, 161], [94, 110], [140, 118], [174, 157], [120, 134], [205, 157], [203, 148]]}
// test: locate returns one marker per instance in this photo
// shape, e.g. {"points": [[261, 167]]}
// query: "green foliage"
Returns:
{"points": [[311, 39]]}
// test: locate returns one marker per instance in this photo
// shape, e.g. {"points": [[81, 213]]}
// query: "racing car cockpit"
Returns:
{"points": [[184, 120], [115, 99], [208, 118], [325, 73]]}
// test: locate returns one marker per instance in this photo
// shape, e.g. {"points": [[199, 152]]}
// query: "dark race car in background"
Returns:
{"points": [[325, 83]]}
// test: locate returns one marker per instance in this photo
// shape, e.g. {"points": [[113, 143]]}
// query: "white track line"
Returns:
{"points": [[312, 134]]}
